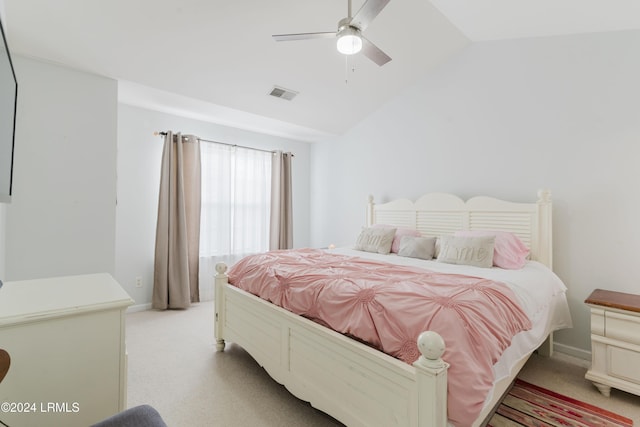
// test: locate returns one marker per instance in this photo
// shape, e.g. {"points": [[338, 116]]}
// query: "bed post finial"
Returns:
{"points": [[370, 205], [221, 268], [544, 195], [431, 345]]}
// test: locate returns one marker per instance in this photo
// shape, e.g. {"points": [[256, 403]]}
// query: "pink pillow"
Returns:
{"points": [[509, 253], [400, 233]]}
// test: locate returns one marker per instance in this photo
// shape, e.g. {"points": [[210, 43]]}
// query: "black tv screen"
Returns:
{"points": [[8, 103]]}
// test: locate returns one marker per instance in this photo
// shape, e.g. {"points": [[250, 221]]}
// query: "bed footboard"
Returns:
{"points": [[350, 381]]}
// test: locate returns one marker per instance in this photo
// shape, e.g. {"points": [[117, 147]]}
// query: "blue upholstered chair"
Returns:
{"points": [[138, 416]]}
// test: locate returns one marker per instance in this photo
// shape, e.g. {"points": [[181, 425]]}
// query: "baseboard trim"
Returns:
{"points": [[571, 354], [139, 307]]}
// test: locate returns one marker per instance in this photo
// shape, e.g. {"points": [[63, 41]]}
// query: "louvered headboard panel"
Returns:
{"points": [[518, 223], [439, 223], [438, 214], [398, 218]]}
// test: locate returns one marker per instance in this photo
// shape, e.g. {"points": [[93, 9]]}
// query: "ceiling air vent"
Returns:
{"points": [[280, 92]]}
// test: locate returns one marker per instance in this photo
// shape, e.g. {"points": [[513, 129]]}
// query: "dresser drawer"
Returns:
{"points": [[623, 327], [624, 364]]}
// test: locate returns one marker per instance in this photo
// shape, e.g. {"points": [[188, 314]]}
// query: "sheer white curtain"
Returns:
{"points": [[236, 198]]}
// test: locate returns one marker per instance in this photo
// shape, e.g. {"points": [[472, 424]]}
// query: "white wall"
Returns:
{"points": [[3, 227], [61, 220], [3, 210], [504, 119], [139, 156]]}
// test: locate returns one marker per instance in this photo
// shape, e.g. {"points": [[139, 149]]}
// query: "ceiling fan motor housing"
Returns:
{"points": [[346, 23]]}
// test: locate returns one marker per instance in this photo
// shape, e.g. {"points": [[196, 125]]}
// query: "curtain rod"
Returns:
{"points": [[222, 143]]}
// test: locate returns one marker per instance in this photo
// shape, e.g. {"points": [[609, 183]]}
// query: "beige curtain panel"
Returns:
{"points": [[281, 229], [175, 281]]}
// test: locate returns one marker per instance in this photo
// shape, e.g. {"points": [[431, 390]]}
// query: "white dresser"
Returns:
{"points": [[65, 337], [615, 341]]}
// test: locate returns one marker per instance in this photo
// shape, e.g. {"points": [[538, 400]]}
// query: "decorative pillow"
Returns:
{"points": [[375, 240], [475, 251], [417, 247], [509, 252], [400, 233]]}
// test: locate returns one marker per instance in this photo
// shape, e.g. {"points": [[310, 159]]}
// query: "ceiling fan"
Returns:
{"points": [[349, 34]]}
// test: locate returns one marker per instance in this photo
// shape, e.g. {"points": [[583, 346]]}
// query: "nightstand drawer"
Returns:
{"points": [[622, 327], [597, 321], [624, 364]]}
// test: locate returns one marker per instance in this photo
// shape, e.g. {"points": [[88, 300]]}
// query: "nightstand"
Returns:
{"points": [[615, 341]]}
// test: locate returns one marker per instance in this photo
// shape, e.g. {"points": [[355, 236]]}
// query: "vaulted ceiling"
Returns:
{"points": [[216, 60]]}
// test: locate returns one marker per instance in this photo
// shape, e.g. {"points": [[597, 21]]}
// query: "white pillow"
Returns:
{"points": [[375, 240], [475, 251], [417, 247]]}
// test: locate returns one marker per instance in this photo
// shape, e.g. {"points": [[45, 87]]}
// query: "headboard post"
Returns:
{"points": [[544, 228], [370, 205]]}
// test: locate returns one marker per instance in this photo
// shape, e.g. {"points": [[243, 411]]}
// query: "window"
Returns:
{"points": [[236, 194]]}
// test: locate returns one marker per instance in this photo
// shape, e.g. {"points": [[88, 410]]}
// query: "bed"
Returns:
{"points": [[362, 386]]}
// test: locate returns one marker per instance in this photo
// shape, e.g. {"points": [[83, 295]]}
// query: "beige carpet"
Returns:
{"points": [[174, 367]]}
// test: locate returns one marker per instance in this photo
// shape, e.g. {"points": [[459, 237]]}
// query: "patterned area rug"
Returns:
{"points": [[532, 406]]}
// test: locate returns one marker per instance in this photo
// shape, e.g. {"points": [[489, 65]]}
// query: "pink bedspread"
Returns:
{"points": [[388, 306]]}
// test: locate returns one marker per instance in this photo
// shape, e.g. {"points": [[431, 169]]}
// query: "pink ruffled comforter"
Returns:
{"points": [[388, 306]]}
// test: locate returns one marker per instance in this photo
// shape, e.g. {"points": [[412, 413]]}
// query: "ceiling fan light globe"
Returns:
{"points": [[349, 44]]}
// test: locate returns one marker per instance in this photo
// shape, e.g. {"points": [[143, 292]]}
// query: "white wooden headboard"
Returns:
{"points": [[437, 214]]}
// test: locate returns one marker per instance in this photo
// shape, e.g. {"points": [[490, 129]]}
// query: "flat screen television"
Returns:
{"points": [[8, 104]]}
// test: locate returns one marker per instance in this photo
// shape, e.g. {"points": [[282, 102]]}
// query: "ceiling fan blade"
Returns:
{"points": [[303, 36], [374, 53], [369, 10]]}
